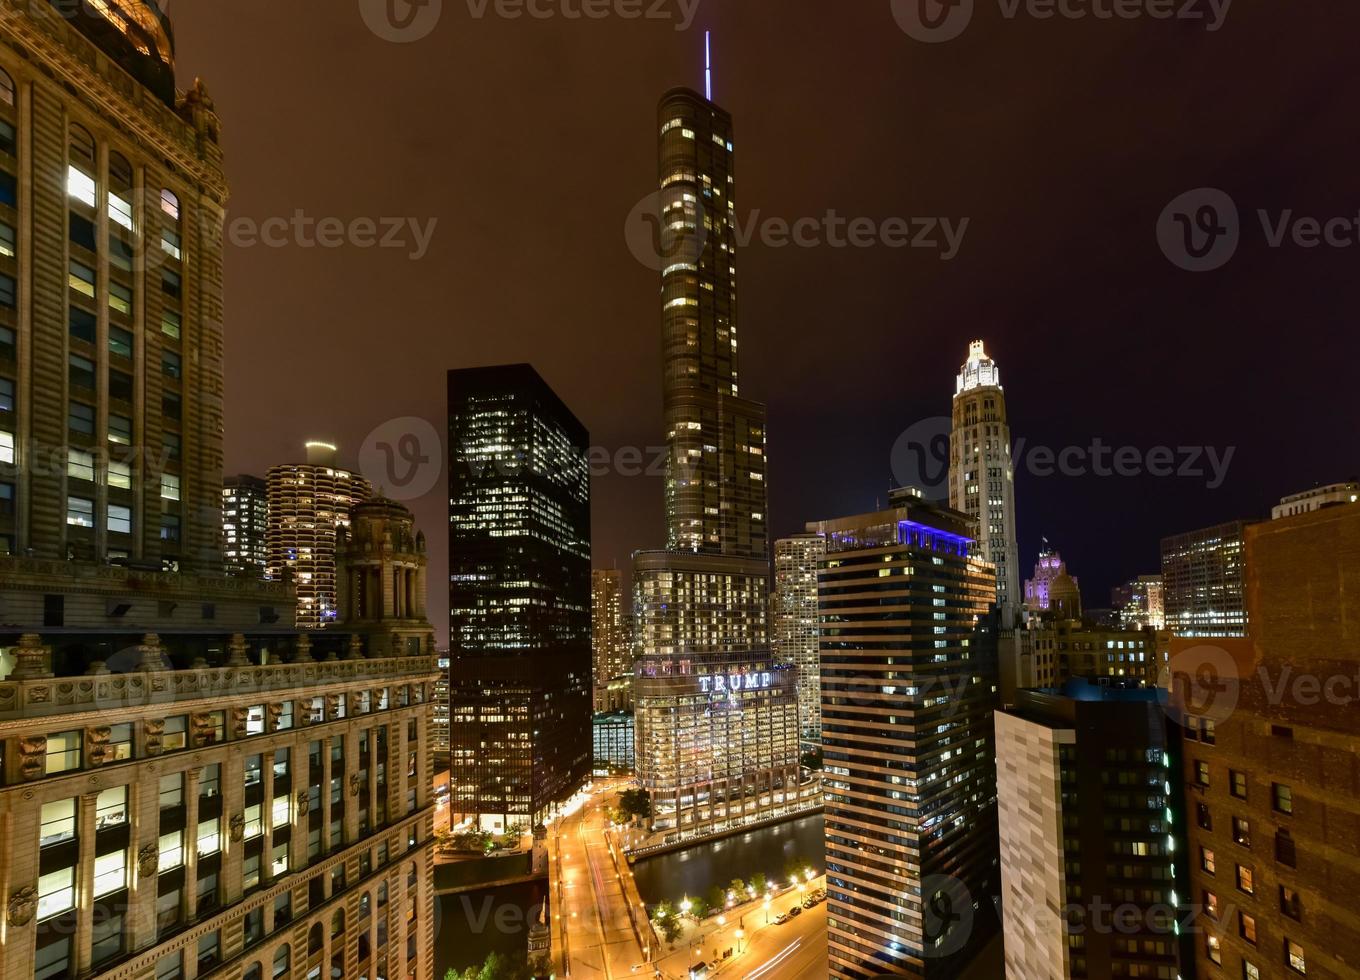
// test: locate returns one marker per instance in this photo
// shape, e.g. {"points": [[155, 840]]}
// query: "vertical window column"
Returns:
{"points": [[85, 834], [191, 779], [145, 805]]}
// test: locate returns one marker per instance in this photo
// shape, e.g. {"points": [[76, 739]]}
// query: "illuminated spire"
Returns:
{"points": [[708, 65], [979, 371]]}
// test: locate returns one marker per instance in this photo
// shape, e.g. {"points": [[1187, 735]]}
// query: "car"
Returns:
{"points": [[699, 971], [795, 911], [809, 902], [782, 919]]}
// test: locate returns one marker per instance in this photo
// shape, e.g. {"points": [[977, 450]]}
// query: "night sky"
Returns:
{"points": [[1062, 141]]}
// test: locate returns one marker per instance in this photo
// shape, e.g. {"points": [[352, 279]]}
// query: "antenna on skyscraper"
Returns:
{"points": [[708, 65]]}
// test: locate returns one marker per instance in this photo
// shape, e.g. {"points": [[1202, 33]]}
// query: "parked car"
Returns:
{"points": [[782, 919], [699, 971], [795, 911]]}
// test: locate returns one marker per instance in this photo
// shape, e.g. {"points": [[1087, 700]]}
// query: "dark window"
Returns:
{"points": [[81, 372], [170, 405], [84, 325], [9, 189], [82, 232], [6, 499], [171, 444], [120, 252], [120, 429], [54, 610], [170, 283], [120, 385], [1203, 817], [81, 419], [7, 138], [1285, 851], [171, 365], [120, 342], [6, 395], [170, 528], [7, 291], [7, 348], [1289, 903]]}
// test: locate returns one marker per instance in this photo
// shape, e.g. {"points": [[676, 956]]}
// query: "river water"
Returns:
{"points": [[768, 850]]}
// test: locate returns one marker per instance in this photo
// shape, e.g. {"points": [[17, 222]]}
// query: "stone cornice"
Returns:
{"points": [[76, 61]]}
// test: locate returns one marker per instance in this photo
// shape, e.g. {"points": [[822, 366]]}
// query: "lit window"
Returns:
{"points": [[1282, 798], [1246, 880], [209, 837], [58, 822], [7, 245], [120, 299], [172, 850], [56, 892], [79, 465], [169, 486], [1294, 955], [80, 185], [171, 323], [170, 242], [110, 872], [120, 519], [79, 512], [120, 475], [170, 204], [1214, 947], [120, 211], [6, 447], [63, 752], [120, 430]]}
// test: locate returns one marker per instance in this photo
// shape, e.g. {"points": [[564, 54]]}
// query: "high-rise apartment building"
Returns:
{"points": [[1140, 602], [1270, 760], [909, 687], [245, 526], [309, 503], [796, 560], [188, 787], [703, 604], [1092, 816], [982, 473], [519, 597], [610, 651], [1203, 581], [111, 209]]}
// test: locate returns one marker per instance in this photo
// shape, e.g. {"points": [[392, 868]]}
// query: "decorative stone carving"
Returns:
{"points": [[238, 723], [155, 736], [275, 714], [303, 803], [22, 905], [32, 757], [148, 860], [201, 729], [332, 706], [355, 650], [237, 648], [238, 827], [32, 660], [302, 650], [354, 784], [97, 750], [151, 655]]}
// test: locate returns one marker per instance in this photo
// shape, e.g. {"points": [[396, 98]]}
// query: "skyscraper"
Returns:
{"points": [[1317, 498], [1078, 842], [1270, 758], [1203, 581], [519, 597], [189, 787], [245, 526], [909, 686], [1140, 602], [609, 644], [110, 296], [982, 473], [308, 505], [1038, 590], [702, 605], [795, 622]]}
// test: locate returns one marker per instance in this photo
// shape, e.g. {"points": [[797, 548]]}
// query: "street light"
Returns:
{"points": [[741, 938]]}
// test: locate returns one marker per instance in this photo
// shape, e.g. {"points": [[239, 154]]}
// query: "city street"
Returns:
{"points": [[592, 936]]}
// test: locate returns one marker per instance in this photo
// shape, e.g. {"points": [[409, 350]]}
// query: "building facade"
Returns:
{"points": [[245, 526], [1315, 499], [111, 211], [1269, 761], [309, 503], [909, 686], [982, 473], [1203, 581], [610, 648], [519, 597], [1140, 602], [187, 787], [1093, 882], [717, 743], [796, 560], [613, 739]]}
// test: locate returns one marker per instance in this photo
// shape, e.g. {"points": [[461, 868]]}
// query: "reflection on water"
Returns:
{"points": [[769, 850], [472, 925]]}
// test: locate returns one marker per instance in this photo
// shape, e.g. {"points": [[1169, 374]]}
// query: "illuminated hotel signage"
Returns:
{"points": [[731, 683]]}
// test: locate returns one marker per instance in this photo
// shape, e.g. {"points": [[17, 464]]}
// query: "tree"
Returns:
{"points": [[667, 921], [738, 889], [636, 803], [812, 760], [699, 907], [495, 967], [760, 883], [716, 897]]}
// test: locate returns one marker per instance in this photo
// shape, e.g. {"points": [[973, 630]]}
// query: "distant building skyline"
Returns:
{"points": [[796, 631], [1204, 577], [245, 525]]}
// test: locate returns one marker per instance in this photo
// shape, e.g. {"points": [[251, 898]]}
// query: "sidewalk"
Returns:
{"points": [[707, 941]]}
